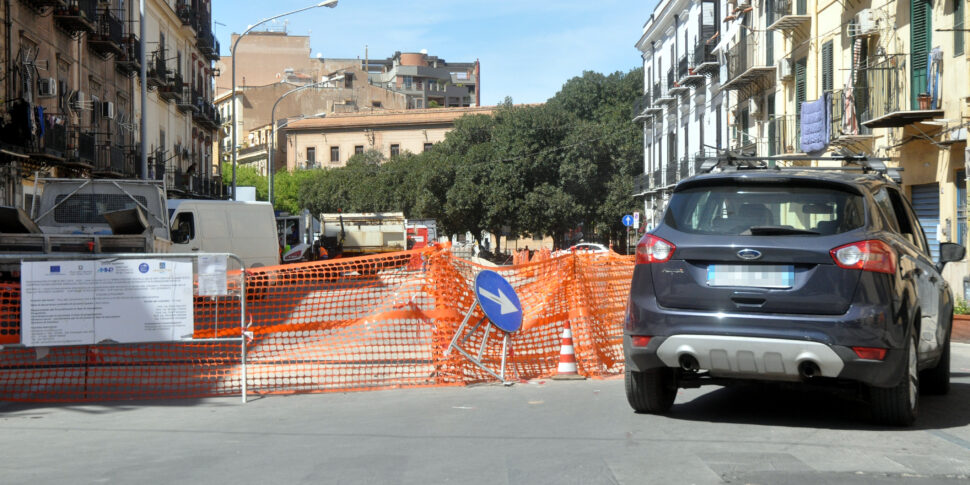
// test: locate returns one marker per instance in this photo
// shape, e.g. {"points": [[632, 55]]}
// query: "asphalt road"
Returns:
{"points": [[557, 432]]}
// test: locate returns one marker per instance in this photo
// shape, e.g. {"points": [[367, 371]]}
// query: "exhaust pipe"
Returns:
{"points": [[808, 369], [689, 363]]}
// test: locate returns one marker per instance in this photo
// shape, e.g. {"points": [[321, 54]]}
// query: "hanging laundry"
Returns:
{"points": [[816, 124], [933, 71], [40, 120], [850, 123]]}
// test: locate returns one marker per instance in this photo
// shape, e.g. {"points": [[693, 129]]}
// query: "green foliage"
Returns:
{"points": [[961, 307], [538, 170]]}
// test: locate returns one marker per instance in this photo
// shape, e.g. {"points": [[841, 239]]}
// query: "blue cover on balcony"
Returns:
{"points": [[816, 124]]}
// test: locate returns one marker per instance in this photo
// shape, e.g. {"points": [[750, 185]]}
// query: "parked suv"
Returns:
{"points": [[789, 275]]}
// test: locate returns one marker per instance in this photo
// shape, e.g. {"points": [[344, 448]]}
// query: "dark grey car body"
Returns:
{"points": [[808, 326]]}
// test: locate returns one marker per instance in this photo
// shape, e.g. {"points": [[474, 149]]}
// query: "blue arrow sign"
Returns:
{"points": [[627, 220], [498, 300]]}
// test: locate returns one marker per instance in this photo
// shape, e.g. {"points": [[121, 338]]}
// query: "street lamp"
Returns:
{"points": [[272, 122], [232, 52]]}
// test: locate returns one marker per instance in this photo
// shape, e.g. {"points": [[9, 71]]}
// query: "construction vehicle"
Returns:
{"points": [[84, 216], [358, 234], [298, 236]]}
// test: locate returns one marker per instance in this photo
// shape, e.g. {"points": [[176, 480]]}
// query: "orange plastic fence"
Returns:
{"points": [[353, 324]]}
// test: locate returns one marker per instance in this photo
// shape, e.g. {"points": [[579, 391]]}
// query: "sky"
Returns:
{"points": [[527, 48]]}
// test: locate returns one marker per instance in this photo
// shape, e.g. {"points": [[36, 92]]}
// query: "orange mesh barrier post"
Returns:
{"points": [[372, 322]]}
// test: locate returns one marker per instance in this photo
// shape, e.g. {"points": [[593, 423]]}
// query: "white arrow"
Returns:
{"points": [[505, 305]]}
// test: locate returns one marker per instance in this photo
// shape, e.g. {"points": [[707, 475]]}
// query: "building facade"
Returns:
{"points": [[890, 78], [428, 81], [329, 142], [71, 94]]}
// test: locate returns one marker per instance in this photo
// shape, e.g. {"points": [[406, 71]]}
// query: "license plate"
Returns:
{"points": [[758, 276]]}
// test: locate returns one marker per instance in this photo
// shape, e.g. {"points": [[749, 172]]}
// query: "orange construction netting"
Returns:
{"points": [[372, 322]]}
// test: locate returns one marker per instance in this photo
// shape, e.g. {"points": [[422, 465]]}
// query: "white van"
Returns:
{"points": [[246, 229]]}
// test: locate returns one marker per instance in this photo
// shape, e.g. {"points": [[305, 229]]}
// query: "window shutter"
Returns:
{"points": [[920, 38], [958, 23], [827, 74]]}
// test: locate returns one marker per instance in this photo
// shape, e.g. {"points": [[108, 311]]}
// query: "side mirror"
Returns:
{"points": [[950, 252]]}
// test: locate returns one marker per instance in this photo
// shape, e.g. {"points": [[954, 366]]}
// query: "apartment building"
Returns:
{"points": [[889, 77], [428, 81], [330, 141], [71, 92], [683, 108]]}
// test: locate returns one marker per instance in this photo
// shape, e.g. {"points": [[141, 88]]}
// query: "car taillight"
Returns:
{"points": [[652, 249], [870, 353], [871, 255], [640, 340]]}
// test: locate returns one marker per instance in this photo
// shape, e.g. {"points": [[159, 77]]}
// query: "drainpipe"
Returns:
{"points": [[8, 25]]}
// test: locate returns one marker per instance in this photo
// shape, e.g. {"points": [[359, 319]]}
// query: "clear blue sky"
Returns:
{"points": [[527, 48]]}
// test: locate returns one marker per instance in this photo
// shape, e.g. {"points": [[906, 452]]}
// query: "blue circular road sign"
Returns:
{"points": [[627, 220], [498, 300]]}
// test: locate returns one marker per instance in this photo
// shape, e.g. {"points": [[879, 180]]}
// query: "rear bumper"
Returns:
{"points": [[769, 359], [767, 346]]}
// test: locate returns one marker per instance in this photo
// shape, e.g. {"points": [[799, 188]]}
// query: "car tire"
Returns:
{"points": [[899, 405], [936, 380], [651, 391]]}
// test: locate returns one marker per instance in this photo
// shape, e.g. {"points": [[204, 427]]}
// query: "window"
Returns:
{"points": [[311, 155], [334, 154], [827, 76], [183, 230], [395, 150], [407, 82], [375, 104], [961, 207], [358, 149], [958, 26], [427, 146]]}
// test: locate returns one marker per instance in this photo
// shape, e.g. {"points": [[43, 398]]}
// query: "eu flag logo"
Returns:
{"points": [[55, 269]]}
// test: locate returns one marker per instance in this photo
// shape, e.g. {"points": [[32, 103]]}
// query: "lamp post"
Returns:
{"points": [[232, 52], [272, 123]]}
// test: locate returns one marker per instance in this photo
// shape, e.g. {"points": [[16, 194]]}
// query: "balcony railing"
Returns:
{"points": [[39, 4], [682, 67], [657, 179], [641, 184], [157, 69], [670, 79], [640, 106], [172, 89], [788, 15], [55, 140], [705, 61], [77, 16], [109, 36], [86, 149], [128, 61], [208, 45], [186, 12], [671, 172], [889, 99], [656, 90], [849, 110], [748, 68]]}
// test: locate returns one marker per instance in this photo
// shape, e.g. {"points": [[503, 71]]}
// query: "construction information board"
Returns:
{"points": [[121, 300]]}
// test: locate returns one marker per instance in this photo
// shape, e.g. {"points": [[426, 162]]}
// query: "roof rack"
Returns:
{"points": [[864, 163]]}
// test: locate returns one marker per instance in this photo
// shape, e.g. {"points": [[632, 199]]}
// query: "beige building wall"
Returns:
{"points": [[403, 131], [265, 57]]}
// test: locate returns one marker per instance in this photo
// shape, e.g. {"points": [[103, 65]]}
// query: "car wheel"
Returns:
{"points": [[651, 391], [936, 380], [899, 405]]}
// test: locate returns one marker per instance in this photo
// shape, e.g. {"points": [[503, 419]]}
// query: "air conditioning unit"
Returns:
{"points": [[108, 110], [743, 4], [784, 69], [47, 87], [80, 101], [754, 108], [865, 22]]}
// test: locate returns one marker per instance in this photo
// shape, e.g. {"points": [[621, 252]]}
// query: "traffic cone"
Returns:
{"points": [[567, 358]]}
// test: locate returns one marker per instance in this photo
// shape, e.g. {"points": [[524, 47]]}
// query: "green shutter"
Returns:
{"points": [[800, 70], [921, 16], [958, 24], [827, 74]]}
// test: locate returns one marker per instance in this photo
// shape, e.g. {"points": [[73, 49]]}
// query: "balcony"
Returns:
{"points": [[53, 144], [87, 152], [172, 89], [157, 70], [113, 162], [77, 16], [782, 135], [662, 96], [206, 114], [208, 45], [671, 173], [128, 61], [748, 71], [186, 13], [641, 184], [185, 102], [788, 16], [640, 107], [686, 74], [705, 61], [849, 110], [656, 179], [673, 87], [888, 96], [108, 39]]}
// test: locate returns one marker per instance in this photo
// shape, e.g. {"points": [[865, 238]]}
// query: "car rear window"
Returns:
{"points": [[764, 210]]}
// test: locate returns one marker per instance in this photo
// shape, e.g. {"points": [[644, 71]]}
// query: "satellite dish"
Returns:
{"points": [[319, 55], [424, 51]]}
